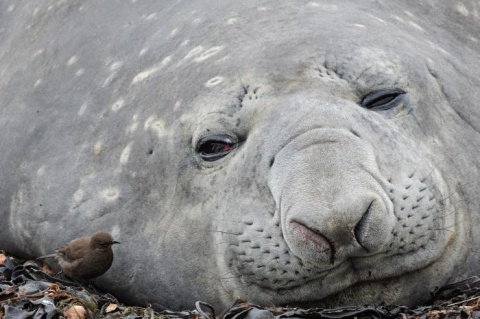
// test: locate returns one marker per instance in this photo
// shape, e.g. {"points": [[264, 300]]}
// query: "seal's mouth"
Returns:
{"points": [[337, 286], [307, 284]]}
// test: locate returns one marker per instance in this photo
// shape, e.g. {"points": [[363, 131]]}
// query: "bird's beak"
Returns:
{"points": [[115, 242]]}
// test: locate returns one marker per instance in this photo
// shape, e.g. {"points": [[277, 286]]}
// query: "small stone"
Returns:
{"points": [[111, 308], [75, 312]]}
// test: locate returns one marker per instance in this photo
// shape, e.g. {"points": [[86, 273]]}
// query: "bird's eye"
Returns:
{"points": [[214, 147], [383, 99]]}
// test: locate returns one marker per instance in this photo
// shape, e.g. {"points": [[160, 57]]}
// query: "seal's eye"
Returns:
{"points": [[382, 100], [214, 147]]}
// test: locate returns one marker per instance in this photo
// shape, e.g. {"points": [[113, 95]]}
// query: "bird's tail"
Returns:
{"points": [[46, 256]]}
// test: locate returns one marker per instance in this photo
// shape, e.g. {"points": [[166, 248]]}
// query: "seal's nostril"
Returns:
{"points": [[317, 241], [361, 229], [272, 161]]}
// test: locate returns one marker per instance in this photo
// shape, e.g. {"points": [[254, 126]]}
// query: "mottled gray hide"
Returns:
{"points": [[303, 153]]}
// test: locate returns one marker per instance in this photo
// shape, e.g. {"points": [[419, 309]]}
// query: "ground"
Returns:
{"points": [[28, 291]]}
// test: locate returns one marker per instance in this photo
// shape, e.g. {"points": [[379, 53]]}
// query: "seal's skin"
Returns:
{"points": [[284, 153]]}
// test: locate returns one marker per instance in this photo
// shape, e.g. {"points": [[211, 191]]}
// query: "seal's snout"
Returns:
{"points": [[332, 207], [316, 246], [329, 233]]}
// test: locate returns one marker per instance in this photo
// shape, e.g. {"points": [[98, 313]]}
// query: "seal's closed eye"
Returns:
{"points": [[383, 99]]}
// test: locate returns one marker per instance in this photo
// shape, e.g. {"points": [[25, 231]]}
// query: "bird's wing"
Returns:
{"points": [[74, 250]]}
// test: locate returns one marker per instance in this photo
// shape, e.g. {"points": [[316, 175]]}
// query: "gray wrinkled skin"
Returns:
{"points": [[106, 107]]}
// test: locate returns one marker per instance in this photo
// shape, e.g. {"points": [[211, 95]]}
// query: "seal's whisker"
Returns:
{"points": [[424, 179], [453, 193], [416, 167], [455, 209]]}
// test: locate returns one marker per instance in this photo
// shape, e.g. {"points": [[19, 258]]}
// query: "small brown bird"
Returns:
{"points": [[85, 257]]}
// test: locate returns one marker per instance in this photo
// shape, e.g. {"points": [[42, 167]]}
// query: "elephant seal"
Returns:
{"points": [[288, 153]]}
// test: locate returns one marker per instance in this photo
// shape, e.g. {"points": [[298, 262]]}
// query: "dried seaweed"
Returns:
{"points": [[26, 291]]}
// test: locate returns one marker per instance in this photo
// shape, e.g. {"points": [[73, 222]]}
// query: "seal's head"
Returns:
{"points": [[292, 153]]}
